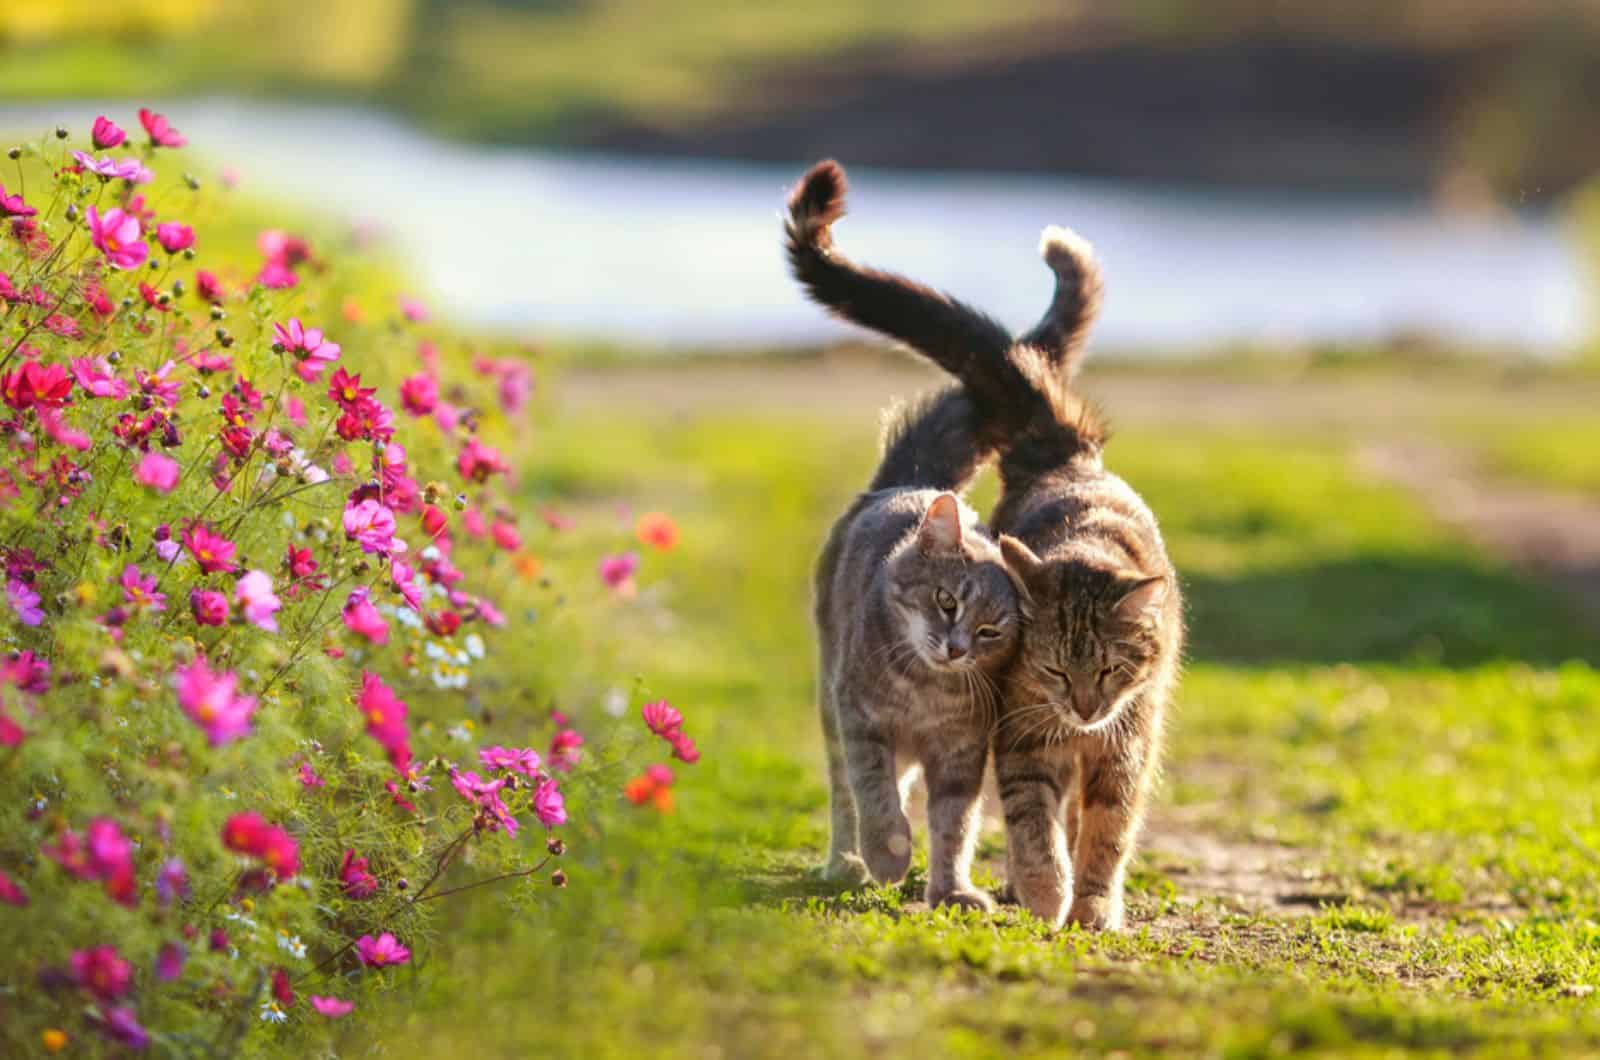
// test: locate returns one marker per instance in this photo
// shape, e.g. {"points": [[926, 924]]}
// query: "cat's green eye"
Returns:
{"points": [[946, 602], [988, 632]]}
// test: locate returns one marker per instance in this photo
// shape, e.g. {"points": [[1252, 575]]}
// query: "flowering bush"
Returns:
{"points": [[237, 554]]}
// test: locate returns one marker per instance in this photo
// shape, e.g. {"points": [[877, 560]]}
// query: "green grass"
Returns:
{"points": [[1402, 719], [1564, 453]]}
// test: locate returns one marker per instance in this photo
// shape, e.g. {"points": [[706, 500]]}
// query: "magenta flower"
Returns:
{"points": [[683, 748], [419, 394], [354, 878], [10, 893], [257, 601], [371, 525], [210, 549], [404, 580], [116, 234], [14, 206], [169, 962], [102, 972], [661, 718], [309, 347], [381, 951], [209, 607], [95, 377], [485, 794], [139, 590], [477, 462], [363, 619], [106, 134], [24, 601], [524, 761], [309, 777], [413, 309], [210, 700], [158, 472], [617, 570], [249, 833], [331, 1007], [548, 804], [564, 751], [162, 134], [174, 237]]}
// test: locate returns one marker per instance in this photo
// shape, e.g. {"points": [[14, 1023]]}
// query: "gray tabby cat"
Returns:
{"points": [[1079, 739], [916, 616]]}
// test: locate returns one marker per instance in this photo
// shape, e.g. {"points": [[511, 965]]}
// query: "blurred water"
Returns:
{"points": [[676, 254]]}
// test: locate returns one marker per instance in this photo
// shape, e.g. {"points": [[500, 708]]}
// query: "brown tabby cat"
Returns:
{"points": [[916, 617], [1081, 722]]}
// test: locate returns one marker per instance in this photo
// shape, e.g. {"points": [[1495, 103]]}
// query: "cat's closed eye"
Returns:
{"points": [[946, 602], [989, 632]]}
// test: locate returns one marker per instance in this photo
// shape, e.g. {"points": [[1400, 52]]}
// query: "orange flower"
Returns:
{"points": [[352, 310], [529, 566], [639, 790], [657, 530]]}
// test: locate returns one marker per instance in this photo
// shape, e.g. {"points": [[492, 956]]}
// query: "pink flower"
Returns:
{"points": [[683, 748], [548, 805], [11, 734], [309, 347], [209, 607], [169, 962], [371, 525], [28, 672], [95, 377], [404, 580], [174, 237], [210, 549], [59, 431], [162, 134], [661, 718], [122, 1026], [660, 774], [363, 619], [564, 750], [129, 169], [617, 570], [331, 1007], [413, 309], [10, 893], [386, 718], [210, 700], [106, 134], [354, 878], [477, 462], [419, 394], [116, 234], [309, 777], [381, 951], [14, 206], [256, 599], [249, 833], [505, 535], [158, 472], [524, 761], [102, 972], [485, 794], [25, 602], [139, 590]]}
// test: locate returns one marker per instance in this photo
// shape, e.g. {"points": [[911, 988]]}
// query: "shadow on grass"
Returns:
{"points": [[1384, 608]]}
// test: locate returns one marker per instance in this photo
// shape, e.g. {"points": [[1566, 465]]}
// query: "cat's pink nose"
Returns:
{"points": [[955, 651], [1084, 710]]}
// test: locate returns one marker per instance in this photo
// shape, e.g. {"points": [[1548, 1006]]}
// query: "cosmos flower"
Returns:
{"points": [[419, 394], [95, 377], [117, 235], [657, 530], [174, 237], [209, 607], [617, 571], [161, 132], [661, 717], [102, 971], [371, 525], [106, 134], [354, 878], [10, 893], [331, 1007], [249, 833], [256, 600], [25, 602], [210, 550], [139, 590], [211, 701], [381, 951], [548, 804], [524, 760], [363, 619], [311, 350], [157, 471]]}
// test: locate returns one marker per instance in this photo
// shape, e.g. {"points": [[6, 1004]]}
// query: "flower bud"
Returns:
{"points": [[192, 181], [558, 878], [114, 357], [61, 132], [72, 211], [555, 845], [217, 313], [14, 154]]}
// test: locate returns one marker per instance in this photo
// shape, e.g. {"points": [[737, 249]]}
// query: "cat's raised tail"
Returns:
{"points": [[1063, 332], [958, 338]]}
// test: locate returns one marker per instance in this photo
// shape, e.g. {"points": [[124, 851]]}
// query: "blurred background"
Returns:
{"points": [[1253, 172]]}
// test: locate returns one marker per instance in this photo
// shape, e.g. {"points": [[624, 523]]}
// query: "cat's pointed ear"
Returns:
{"points": [[941, 526], [1019, 557], [1141, 597]]}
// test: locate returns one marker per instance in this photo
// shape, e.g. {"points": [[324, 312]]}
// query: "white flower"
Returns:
{"points": [[474, 645], [460, 733], [616, 703], [292, 945], [271, 1013]]}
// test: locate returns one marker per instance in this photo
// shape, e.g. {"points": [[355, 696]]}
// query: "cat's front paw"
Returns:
{"points": [[847, 869], [888, 853], [1096, 913], [961, 898]]}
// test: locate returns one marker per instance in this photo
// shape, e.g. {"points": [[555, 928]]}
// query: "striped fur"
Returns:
{"points": [[1079, 739]]}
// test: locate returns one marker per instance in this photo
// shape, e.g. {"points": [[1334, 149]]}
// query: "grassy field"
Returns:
{"points": [[1378, 830]]}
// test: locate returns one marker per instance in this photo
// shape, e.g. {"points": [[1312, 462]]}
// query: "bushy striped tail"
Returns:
{"points": [[1063, 333]]}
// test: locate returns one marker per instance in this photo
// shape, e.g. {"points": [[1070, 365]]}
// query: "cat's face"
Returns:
{"points": [[956, 605], [1092, 644]]}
